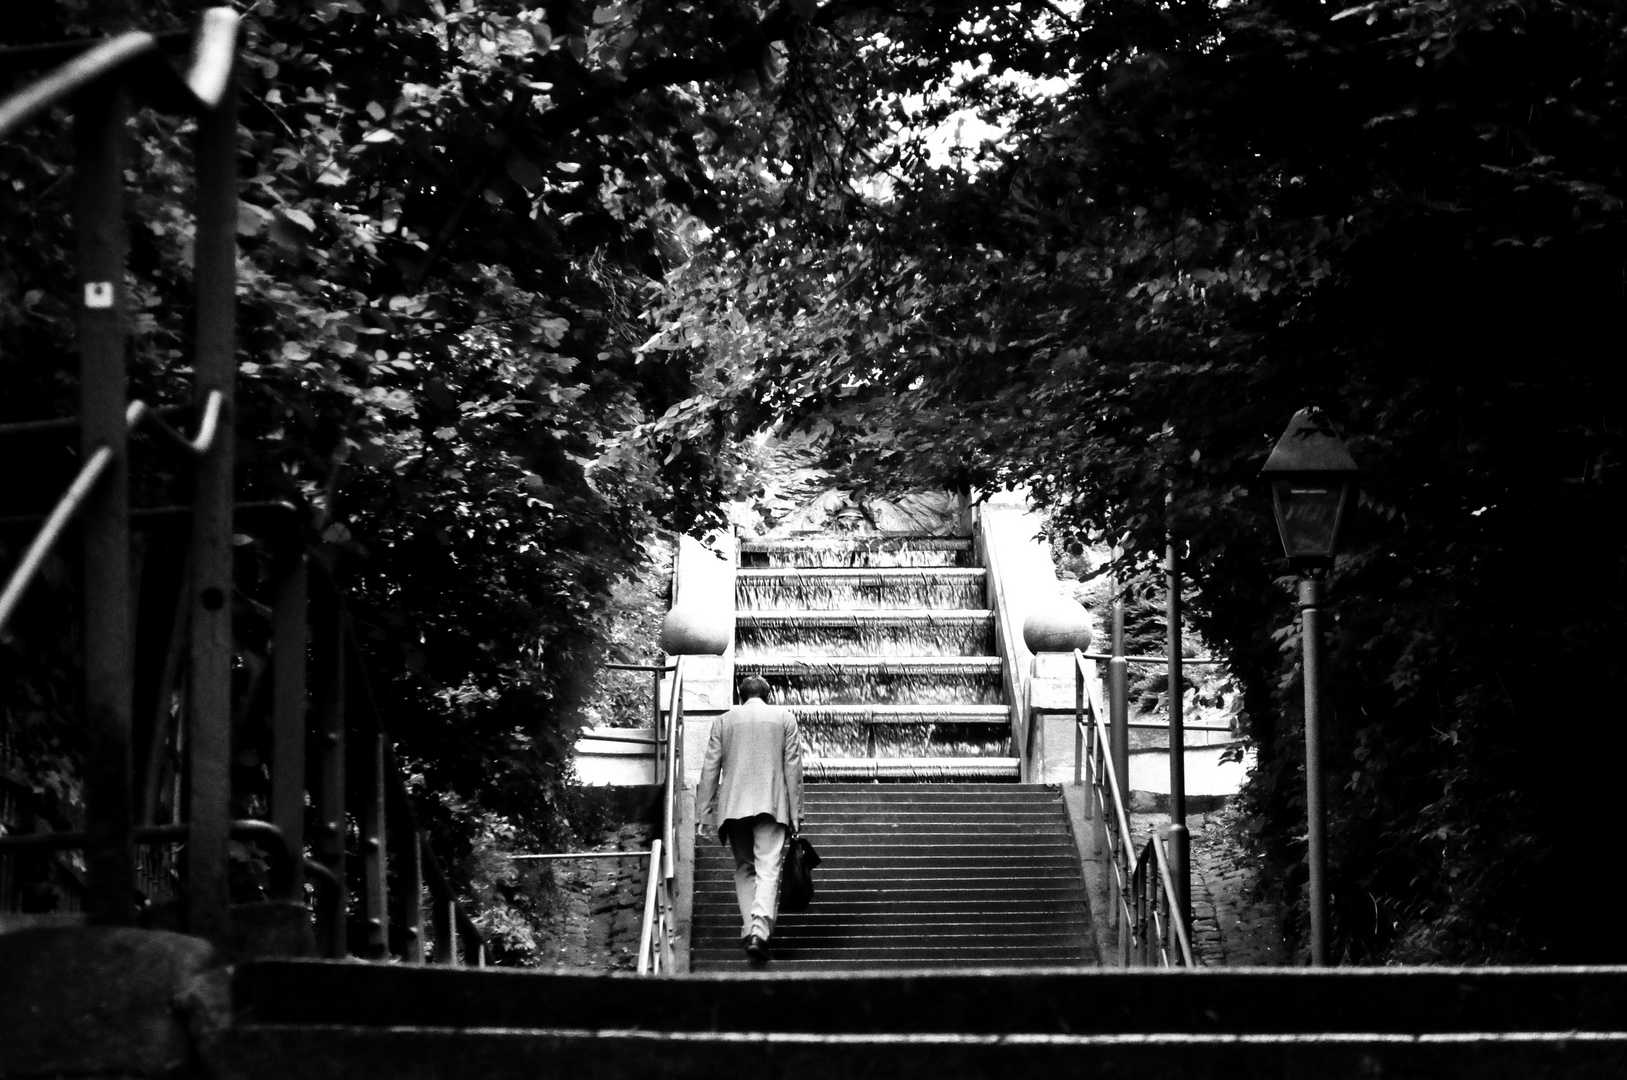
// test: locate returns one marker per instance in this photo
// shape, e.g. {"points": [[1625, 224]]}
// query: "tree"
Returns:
{"points": [[1410, 215]]}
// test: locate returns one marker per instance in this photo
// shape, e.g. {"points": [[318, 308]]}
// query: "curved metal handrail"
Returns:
{"points": [[1183, 935], [1132, 868]]}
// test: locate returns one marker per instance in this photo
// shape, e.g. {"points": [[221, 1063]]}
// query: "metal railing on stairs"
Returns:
{"points": [[359, 801], [657, 935], [1151, 913], [658, 925]]}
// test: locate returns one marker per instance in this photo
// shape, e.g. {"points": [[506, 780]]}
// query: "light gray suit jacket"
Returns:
{"points": [[753, 766]]}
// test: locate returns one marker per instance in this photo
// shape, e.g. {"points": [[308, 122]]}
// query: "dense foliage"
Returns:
{"points": [[1408, 214], [522, 278], [450, 219]]}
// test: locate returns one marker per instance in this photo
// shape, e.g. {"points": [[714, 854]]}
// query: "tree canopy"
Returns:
{"points": [[1407, 214], [521, 278]]}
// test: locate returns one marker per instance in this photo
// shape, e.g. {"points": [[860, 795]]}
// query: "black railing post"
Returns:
{"points": [[100, 114], [1179, 841], [443, 921], [375, 899], [288, 713], [330, 803], [411, 849], [215, 370]]}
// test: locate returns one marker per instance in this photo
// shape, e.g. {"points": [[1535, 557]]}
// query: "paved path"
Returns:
{"points": [[1231, 925]]}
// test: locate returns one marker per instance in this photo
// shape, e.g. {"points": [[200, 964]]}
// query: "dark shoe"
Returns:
{"points": [[757, 948]]}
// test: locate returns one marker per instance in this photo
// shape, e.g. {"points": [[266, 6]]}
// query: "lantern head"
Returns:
{"points": [[1313, 480]]}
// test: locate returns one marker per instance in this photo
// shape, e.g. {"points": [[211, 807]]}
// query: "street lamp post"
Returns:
{"points": [[1313, 480]]}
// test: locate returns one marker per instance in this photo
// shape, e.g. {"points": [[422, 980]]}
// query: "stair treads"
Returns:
{"points": [[878, 631], [895, 550], [905, 715], [829, 909], [890, 617], [872, 575], [847, 666], [848, 589], [911, 768], [1043, 949]]}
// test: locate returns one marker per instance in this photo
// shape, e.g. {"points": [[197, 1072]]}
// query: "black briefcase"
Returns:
{"points": [[796, 874]]}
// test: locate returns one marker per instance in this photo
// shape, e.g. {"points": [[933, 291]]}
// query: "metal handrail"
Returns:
{"points": [[1154, 659], [84, 482], [201, 88], [660, 893], [67, 506], [74, 75], [1131, 868], [1183, 935]]}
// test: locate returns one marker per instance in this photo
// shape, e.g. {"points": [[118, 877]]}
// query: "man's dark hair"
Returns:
{"points": [[753, 686]]}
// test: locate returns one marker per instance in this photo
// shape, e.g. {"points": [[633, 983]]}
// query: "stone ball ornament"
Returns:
{"points": [[693, 629], [1057, 624]]}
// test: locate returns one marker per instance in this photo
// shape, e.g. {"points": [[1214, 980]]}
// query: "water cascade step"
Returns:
{"points": [[916, 875], [885, 647]]}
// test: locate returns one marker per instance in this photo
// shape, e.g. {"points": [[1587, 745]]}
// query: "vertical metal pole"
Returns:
{"points": [[1179, 841], [1118, 697], [99, 147], [375, 898], [330, 839], [443, 923], [1118, 734], [1316, 823], [412, 895], [288, 708], [214, 371], [1079, 720]]}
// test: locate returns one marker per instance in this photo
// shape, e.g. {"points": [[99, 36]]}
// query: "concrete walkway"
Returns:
{"points": [[1231, 925]]}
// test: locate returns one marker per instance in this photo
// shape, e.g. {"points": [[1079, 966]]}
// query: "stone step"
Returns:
{"points": [[852, 666], [951, 893], [864, 632], [867, 551], [1038, 889], [597, 1050], [851, 851], [950, 792], [857, 834], [920, 769], [844, 589], [886, 949], [881, 914], [904, 715], [923, 822], [1313, 1002], [862, 617]]}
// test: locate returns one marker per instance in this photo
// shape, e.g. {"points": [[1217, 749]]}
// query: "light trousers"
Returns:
{"points": [[759, 845]]}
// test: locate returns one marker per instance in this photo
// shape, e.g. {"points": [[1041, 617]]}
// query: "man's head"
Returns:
{"points": [[753, 686]]}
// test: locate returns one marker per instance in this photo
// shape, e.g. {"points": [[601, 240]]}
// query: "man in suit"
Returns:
{"points": [[751, 793]]}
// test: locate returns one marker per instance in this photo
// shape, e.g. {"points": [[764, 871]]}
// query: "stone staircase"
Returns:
{"points": [[108, 1002], [917, 875], [933, 855], [335, 1021]]}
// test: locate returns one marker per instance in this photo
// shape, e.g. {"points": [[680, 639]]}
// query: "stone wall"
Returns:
{"points": [[597, 907]]}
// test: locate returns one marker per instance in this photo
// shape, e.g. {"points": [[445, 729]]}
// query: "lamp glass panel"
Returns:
{"points": [[1308, 517]]}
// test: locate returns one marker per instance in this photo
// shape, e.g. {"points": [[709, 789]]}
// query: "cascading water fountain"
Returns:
{"points": [[883, 646]]}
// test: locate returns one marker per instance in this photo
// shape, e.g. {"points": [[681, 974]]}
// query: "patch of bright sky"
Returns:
{"points": [[960, 137]]}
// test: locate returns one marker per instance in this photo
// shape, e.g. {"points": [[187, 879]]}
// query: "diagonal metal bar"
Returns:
{"points": [[70, 78]]}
